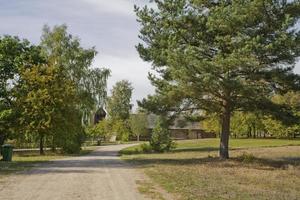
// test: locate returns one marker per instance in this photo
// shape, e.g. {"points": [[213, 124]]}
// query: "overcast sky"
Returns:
{"points": [[109, 25]]}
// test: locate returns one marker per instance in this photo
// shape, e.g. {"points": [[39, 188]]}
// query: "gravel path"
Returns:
{"points": [[100, 175]]}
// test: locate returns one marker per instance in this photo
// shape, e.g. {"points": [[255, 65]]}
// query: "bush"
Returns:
{"points": [[160, 139], [247, 157], [70, 140], [146, 148], [99, 131]]}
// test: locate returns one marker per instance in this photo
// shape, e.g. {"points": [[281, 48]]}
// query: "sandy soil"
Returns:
{"points": [[100, 175]]}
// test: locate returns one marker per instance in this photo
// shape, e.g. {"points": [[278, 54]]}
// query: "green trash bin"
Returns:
{"points": [[7, 152]]}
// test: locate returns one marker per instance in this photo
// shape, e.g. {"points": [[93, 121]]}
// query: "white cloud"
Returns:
{"points": [[124, 7], [110, 25], [297, 68], [130, 68]]}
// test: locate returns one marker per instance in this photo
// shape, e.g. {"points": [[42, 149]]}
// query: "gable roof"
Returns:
{"points": [[179, 123]]}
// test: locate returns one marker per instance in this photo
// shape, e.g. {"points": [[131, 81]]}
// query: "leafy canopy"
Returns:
{"points": [[119, 103], [14, 54], [139, 124]]}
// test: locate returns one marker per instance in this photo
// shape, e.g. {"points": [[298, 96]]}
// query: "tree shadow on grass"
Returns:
{"points": [[177, 150], [215, 162], [280, 163], [196, 149]]}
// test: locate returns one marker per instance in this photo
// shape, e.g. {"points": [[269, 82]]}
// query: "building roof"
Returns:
{"points": [[179, 123]]}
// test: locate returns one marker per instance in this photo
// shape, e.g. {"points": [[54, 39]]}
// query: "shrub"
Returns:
{"points": [[160, 139], [100, 131], [146, 148], [247, 157], [73, 143], [70, 140]]}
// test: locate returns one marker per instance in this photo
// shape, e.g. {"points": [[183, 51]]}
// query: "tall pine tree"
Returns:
{"points": [[220, 56]]}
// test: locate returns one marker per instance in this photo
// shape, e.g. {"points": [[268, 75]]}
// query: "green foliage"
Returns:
{"points": [[75, 62], [71, 141], [68, 130], [277, 128], [47, 105], [14, 54], [146, 148], [139, 124], [119, 105], [220, 57], [211, 124], [99, 131], [121, 129], [49, 92], [160, 139], [247, 124]]}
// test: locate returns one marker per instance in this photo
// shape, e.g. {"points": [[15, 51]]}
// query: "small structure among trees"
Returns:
{"points": [[99, 115], [182, 129]]}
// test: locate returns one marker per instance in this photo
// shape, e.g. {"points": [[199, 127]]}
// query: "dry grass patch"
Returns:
{"points": [[251, 173]]}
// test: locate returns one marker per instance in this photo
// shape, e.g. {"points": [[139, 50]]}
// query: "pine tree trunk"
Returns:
{"points": [[224, 154], [138, 138], [42, 144]]}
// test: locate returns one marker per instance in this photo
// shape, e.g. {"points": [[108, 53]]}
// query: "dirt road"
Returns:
{"points": [[100, 175]]}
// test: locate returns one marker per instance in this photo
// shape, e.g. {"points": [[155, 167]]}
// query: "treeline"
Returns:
{"points": [[258, 124], [49, 92]]}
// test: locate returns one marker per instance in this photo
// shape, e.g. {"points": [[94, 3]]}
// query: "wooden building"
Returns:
{"points": [[182, 129]]}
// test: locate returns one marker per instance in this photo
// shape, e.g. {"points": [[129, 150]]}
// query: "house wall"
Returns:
{"points": [[184, 134], [208, 135], [179, 134]]}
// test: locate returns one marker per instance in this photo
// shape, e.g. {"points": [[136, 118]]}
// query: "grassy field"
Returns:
{"points": [[26, 160], [258, 169]]}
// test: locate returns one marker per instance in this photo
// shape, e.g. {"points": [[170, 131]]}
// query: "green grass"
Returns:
{"points": [[258, 169], [213, 145], [237, 143], [26, 160]]}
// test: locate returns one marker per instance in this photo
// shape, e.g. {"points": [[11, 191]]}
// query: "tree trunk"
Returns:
{"points": [[249, 132], [42, 144], [53, 147], [2, 139], [138, 138], [224, 139]]}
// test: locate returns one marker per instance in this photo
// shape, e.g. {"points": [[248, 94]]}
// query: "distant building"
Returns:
{"points": [[99, 115], [182, 129]]}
